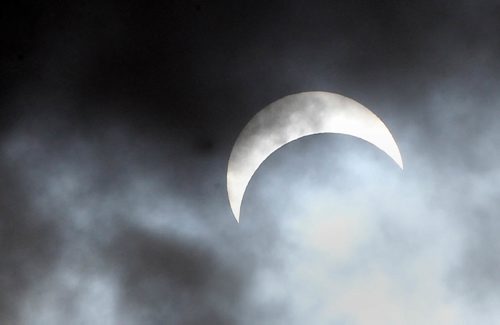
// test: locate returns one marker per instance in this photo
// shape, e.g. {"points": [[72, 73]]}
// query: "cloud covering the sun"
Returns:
{"points": [[332, 231]]}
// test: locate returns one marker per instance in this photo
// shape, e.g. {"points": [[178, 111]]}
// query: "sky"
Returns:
{"points": [[117, 121]]}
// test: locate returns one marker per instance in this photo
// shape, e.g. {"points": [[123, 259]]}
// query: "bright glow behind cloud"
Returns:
{"points": [[296, 116]]}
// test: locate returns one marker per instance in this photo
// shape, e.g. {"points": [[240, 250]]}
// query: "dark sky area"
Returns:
{"points": [[117, 119]]}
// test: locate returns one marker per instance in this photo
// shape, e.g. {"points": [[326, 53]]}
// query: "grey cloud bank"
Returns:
{"points": [[330, 227]]}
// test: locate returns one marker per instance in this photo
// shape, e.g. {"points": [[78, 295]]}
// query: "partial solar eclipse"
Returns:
{"points": [[294, 117]]}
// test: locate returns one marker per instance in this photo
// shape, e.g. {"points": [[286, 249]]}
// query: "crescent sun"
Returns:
{"points": [[296, 116]]}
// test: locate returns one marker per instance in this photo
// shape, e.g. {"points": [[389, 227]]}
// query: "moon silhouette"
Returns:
{"points": [[294, 117]]}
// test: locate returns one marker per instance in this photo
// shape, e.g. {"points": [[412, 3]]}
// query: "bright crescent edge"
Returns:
{"points": [[337, 114]]}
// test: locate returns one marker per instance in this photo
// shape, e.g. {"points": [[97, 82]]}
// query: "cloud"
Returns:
{"points": [[120, 228], [115, 147]]}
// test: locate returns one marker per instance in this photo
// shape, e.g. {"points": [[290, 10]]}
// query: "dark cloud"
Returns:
{"points": [[167, 280], [29, 247]]}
